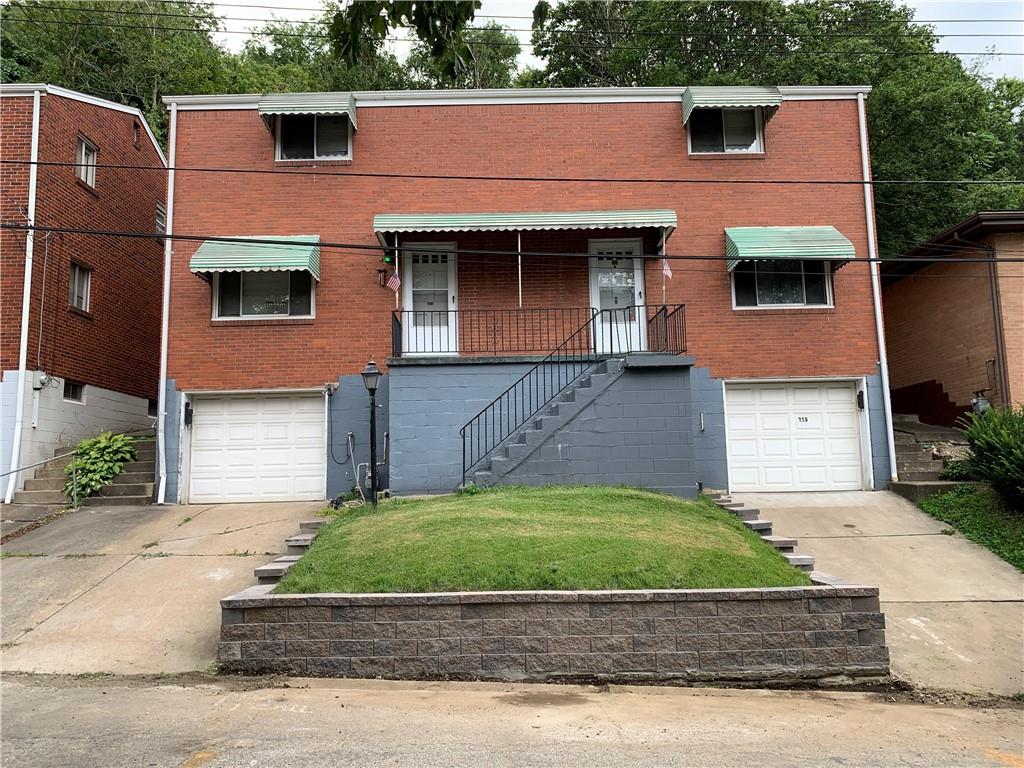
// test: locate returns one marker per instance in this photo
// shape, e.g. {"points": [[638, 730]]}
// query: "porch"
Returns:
{"points": [[526, 285]]}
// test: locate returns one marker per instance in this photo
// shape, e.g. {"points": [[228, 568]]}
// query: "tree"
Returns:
{"points": [[929, 118], [491, 62]]}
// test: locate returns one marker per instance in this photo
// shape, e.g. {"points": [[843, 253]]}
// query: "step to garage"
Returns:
{"points": [[274, 571], [751, 518], [296, 546]]}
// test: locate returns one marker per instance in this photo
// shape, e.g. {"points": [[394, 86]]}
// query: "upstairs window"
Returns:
{"points": [[782, 283], [313, 137], [161, 219], [263, 294], [713, 131], [80, 286], [85, 161]]}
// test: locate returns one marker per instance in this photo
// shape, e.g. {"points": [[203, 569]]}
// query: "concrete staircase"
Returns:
{"points": [[133, 487], [522, 443], [274, 571], [751, 518], [918, 469]]}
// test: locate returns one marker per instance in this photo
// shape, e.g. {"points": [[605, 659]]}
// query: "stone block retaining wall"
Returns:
{"points": [[780, 634]]}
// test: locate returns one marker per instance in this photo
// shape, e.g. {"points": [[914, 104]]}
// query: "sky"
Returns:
{"points": [[970, 26]]}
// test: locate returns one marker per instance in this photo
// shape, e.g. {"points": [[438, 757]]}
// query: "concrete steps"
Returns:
{"points": [[751, 518], [274, 571], [297, 545]]}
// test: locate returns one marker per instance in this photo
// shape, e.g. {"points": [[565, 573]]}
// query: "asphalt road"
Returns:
{"points": [[189, 723]]}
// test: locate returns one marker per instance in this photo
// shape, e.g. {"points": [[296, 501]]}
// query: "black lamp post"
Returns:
{"points": [[371, 378]]}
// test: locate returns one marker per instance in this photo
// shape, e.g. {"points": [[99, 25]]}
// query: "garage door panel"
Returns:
{"points": [[791, 437], [258, 448]]}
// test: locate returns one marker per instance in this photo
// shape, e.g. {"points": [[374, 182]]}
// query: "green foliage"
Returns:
{"points": [[96, 462], [491, 63], [980, 515], [996, 438], [957, 469], [537, 538]]}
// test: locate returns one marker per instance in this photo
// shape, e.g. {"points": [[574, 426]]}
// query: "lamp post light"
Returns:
{"points": [[371, 378]]}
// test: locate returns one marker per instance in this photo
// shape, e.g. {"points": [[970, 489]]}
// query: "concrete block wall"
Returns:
{"points": [[790, 633], [879, 433], [350, 412], [708, 424], [637, 431]]}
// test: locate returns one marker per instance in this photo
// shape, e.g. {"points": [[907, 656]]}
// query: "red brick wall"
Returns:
{"points": [[15, 144], [117, 344], [805, 139], [1011, 301]]}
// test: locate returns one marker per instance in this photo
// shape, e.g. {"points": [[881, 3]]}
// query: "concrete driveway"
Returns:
{"points": [[954, 611], [132, 589]]}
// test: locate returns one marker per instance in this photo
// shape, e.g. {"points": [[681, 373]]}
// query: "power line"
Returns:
{"points": [[500, 44], [271, 241], [556, 179]]}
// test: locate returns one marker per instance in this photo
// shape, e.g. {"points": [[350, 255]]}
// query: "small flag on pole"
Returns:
{"points": [[666, 270], [394, 282]]}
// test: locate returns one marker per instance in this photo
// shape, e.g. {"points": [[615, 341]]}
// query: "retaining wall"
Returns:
{"points": [[779, 634]]}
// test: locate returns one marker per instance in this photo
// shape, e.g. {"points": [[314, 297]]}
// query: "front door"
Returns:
{"points": [[617, 294], [429, 322]]}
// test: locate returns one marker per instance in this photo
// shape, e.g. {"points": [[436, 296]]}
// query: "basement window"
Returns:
{"points": [[725, 131], [74, 392], [263, 294], [313, 137], [783, 283]]}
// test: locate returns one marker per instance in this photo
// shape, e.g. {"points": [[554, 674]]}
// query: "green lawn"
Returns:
{"points": [[978, 514], [538, 538]]}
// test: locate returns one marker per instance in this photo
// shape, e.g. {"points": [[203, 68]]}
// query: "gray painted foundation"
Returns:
{"points": [[349, 410], [172, 440], [708, 424], [879, 437]]}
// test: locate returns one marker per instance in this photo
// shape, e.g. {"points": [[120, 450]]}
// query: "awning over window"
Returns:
{"points": [[722, 97], [759, 243], [289, 252], [308, 104], [522, 222]]}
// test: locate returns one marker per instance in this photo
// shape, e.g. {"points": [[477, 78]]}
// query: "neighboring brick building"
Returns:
{"points": [[497, 273], [92, 352], [957, 327]]}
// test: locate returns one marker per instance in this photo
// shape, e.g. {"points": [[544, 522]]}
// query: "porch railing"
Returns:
{"points": [[607, 334], [520, 331]]}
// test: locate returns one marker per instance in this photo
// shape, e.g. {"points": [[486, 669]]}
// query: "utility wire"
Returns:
{"points": [[499, 44], [271, 241], [558, 179]]}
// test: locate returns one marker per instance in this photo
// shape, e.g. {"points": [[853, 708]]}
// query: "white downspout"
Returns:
{"points": [[26, 300], [519, 265], [161, 409], [876, 294]]}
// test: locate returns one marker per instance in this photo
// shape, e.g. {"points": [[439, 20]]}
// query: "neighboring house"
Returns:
{"points": [[733, 372], [955, 327], [88, 358]]}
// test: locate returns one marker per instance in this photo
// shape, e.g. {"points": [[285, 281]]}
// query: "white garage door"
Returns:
{"points": [[257, 448], [793, 437]]}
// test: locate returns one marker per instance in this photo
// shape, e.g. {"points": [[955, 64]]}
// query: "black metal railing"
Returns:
{"points": [[521, 331], [608, 333]]}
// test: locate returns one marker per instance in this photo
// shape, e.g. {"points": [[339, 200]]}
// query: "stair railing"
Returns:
{"points": [[608, 333]]}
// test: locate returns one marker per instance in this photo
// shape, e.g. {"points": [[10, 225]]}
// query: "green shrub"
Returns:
{"points": [[97, 461], [996, 438], [957, 469]]}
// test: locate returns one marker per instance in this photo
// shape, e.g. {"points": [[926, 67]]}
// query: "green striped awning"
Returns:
{"points": [[720, 97], [502, 222], [760, 243], [286, 253], [308, 104]]}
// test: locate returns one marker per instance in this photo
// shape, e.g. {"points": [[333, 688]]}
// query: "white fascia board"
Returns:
{"points": [[486, 96], [20, 89]]}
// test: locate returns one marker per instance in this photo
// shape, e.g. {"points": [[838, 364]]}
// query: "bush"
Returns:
{"points": [[957, 469], [996, 438], [97, 461]]}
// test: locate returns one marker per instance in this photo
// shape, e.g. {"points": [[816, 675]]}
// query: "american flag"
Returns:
{"points": [[666, 270], [394, 282]]}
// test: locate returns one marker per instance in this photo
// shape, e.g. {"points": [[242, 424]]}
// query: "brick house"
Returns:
{"points": [[955, 327], [535, 336], [80, 334]]}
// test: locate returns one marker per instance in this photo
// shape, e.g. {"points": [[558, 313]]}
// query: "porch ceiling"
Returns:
{"points": [[386, 223]]}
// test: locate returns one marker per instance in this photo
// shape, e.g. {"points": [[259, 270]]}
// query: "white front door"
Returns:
{"points": [[430, 294], [617, 292], [799, 436], [258, 448]]}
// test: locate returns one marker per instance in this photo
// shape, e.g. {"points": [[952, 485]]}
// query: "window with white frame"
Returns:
{"points": [[74, 392], [161, 219], [85, 161], [713, 131], [263, 294], [79, 286], [782, 283], [313, 137]]}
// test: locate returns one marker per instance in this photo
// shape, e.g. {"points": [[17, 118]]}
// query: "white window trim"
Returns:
{"points": [[829, 295], [161, 218], [82, 268], [758, 148], [85, 172], [215, 285], [316, 158], [71, 400]]}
